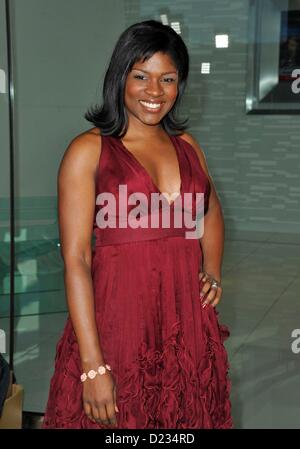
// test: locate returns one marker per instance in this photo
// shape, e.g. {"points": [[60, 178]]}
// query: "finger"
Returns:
{"points": [[110, 410], [204, 276], [210, 297], [213, 301], [95, 414], [205, 289], [115, 399], [103, 414], [217, 298], [88, 411], [201, 274]]}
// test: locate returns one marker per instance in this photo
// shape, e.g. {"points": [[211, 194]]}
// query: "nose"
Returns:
{"points": [[154, 88]]}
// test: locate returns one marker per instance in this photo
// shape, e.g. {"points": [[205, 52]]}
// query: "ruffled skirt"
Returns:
{"points": [[166, 352]]}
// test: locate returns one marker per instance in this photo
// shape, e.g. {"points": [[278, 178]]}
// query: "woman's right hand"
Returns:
{"points": [[99, 399]]}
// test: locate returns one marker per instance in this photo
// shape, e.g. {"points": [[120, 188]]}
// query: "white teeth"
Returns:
{"points": [[151, 105]]}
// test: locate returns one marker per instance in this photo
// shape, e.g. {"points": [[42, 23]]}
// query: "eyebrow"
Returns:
{"points": [[145, 71]]}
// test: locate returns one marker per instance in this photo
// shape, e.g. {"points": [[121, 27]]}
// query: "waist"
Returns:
{"points": [[111, 236]]}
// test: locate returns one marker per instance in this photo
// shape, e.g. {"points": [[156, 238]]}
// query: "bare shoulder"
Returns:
{"points": [[200, 153], [82, 153]]}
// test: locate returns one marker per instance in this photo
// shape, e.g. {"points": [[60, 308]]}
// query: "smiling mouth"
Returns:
{"points": [[151, 106]]}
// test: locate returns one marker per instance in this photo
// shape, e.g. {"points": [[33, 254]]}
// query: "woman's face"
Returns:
{"points": [[151, 89]]}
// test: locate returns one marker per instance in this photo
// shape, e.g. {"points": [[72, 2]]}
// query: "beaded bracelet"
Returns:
{"points": [[92, 373]]}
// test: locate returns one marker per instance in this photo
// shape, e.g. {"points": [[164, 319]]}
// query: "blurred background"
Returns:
{"points": [[249, 131]]}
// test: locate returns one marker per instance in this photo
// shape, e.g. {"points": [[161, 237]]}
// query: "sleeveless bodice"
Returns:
{"points": [[120, 175]]}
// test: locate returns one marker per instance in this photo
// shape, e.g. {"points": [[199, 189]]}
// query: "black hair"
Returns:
{"points": [[138, 43]]}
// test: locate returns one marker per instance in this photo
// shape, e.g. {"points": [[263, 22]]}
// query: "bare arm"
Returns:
{"points": [[76, 202], [212, 241], [76, 207]]}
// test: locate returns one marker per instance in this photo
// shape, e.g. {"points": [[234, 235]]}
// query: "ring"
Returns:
{"points": [[215, 284]]}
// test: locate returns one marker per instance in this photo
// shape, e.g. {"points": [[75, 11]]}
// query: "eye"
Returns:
{"points": [[169, 80], [139, 77]]}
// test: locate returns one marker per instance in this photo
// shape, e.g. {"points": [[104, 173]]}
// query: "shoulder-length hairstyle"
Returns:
{"points": [[138, 43]]}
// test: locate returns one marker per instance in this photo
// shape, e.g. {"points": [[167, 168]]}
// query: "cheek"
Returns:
{"points": [[132, 89], [172, 89], [172, 93]]}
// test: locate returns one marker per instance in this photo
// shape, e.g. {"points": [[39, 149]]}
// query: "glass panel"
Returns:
{"points": [[274, 57], [60, 50], [4, 193]]}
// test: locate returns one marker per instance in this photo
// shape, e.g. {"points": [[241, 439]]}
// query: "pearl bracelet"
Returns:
{"points": [[92, 373]]}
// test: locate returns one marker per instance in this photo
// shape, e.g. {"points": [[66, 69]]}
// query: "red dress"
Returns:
{"points": [[166, 351]]}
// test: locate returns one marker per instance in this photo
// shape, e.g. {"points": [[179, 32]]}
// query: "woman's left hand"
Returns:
{"points": [[213, 292]]}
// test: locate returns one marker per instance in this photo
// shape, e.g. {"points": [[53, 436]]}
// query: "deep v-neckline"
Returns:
{"points": [[147, 174]]}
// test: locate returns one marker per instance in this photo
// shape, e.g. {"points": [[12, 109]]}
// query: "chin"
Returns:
{"points": [[152, 122]]}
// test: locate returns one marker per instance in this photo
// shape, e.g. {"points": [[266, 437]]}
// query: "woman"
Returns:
{"points": [[142, 347]]}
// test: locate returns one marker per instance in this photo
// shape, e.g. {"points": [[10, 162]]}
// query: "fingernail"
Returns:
{"points": [[202, 295]]}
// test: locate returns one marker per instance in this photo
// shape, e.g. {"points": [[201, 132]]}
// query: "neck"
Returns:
{"points": [[138, 131]]}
